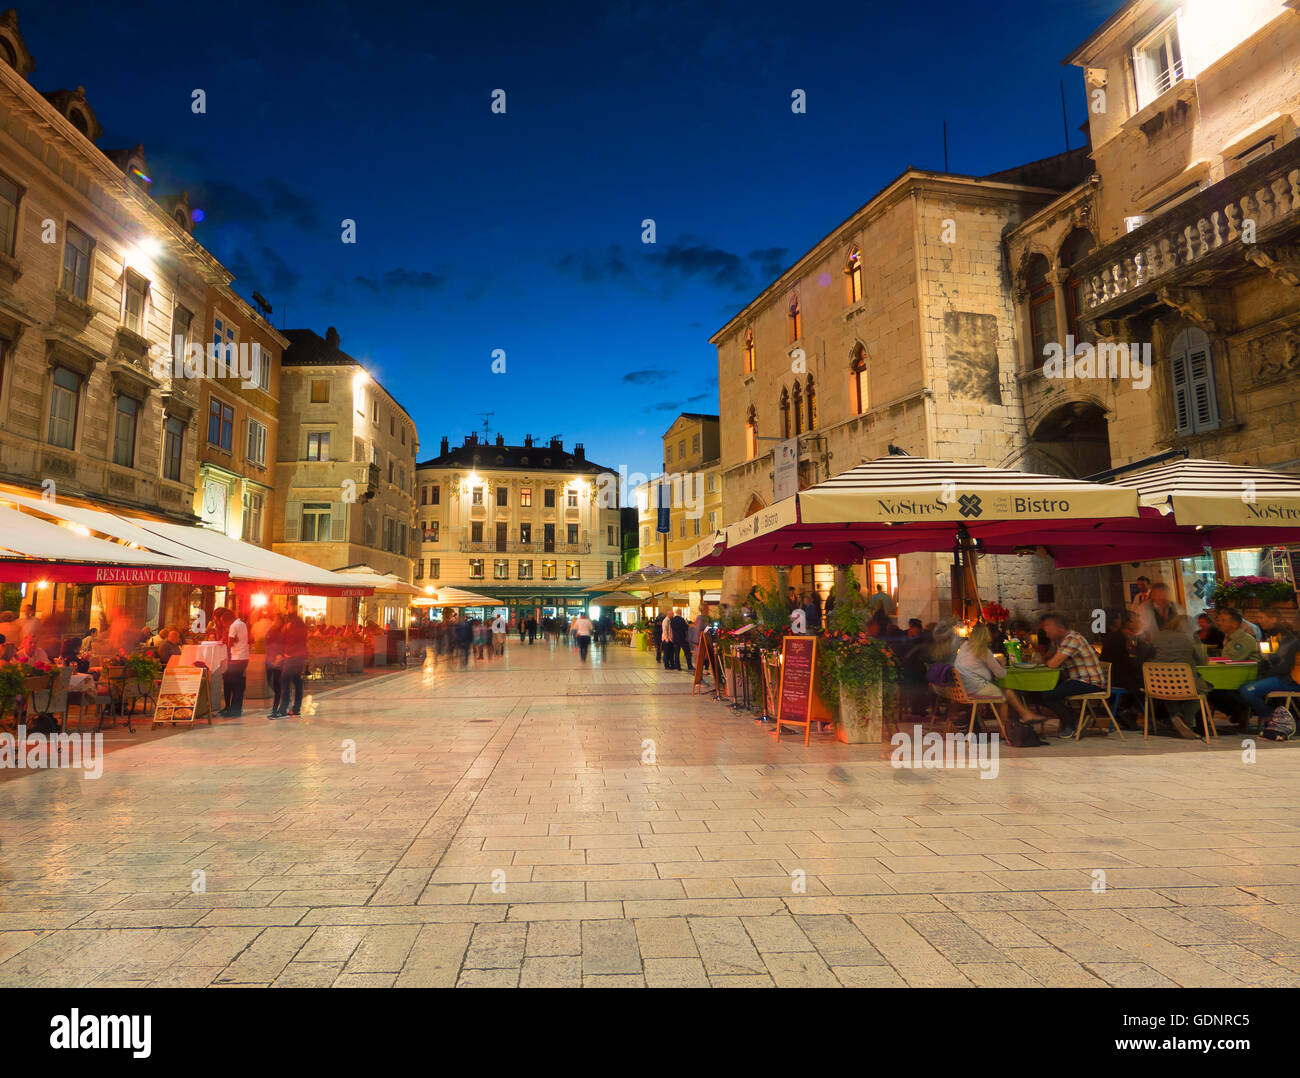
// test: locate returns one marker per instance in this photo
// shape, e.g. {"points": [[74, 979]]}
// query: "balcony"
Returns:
{"points": [[1171, 259], [538, 547]]}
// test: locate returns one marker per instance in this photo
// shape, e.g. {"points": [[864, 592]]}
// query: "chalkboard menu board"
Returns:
{"points": [[795, 703]]}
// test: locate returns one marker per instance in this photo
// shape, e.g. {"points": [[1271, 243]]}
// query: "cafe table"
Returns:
{"points": [[1228, 675], [1026, 678]]}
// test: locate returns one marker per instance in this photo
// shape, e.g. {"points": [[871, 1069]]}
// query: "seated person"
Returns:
{"points": [[31, 652], [1126, 650], [1080, 668], [169, 647], [1174, 643], [1209, 634], [977, 668], [1239, 643], [1275, 670]]}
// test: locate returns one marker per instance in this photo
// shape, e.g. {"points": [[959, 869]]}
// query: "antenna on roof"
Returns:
{"points": [[1065, 120], [486, 416], [260, 302]]}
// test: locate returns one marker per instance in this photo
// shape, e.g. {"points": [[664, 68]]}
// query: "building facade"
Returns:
{"points": [[690, 487], [1184, 246], [896, 330], [533, 525], [345, 464]]}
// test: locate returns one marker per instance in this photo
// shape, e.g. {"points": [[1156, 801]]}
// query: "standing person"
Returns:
{"points": [[29, 624], [234, 676], [464, 640], [582, 629], [1142, 596], [499, 634], [883, 601], [680, 631], [812, 611], [293, 639], [523, 626], [1080, 668], [1158, 608], [532, 629], [274, 638], [657, 637], [791, 599]]}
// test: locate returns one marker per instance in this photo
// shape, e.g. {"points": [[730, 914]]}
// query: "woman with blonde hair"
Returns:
{"points": [[978, 668]]}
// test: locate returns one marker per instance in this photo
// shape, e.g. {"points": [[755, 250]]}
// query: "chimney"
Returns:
{"points": [[445, 446], [501, 442], [332, 337], [556, 444], [471, 439], [579, 451], [528, 441]]}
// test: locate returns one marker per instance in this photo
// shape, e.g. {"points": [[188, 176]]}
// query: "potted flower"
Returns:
{"points": [[12, 679], [855, 670], [1252, 592]]}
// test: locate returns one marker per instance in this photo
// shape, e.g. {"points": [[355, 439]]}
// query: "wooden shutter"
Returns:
{"points": [[1182, 393], [338, 522], [292, 521], [1191, 365]]}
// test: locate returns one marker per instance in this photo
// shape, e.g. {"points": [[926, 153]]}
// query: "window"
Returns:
{"points": [[252, 526], [573, 570], [403, 433], [525, 533], [262, 366], [712, 483], [749, 351], [858, 380], [501, 534], [548, 570], [476, 496], [1042, 308], [503, 496], [389, 533], [1158, 63], [572, 536], [256, 442], [681, 448], [794, 319], [695, 443], [419, 568], [224, 339], [374, 411], [435, 568], [501, 569], [1077, 246], [221, 424], [10, 194], [392, 426], [173, 442], [401, 476], [695, 524], [668, 454], [810, 395], [785, 412], [713, 522], [318, 445], [572, 499], [424, 494], [548, 498], [610, 538], [1246, 157], [525, 497], [182, 320], [1191, 366], [374, 454], [796, 405], [645, 536], [476, 568], [476, 532], [681, 529], [134, 288], [526, 569], [751, 434], [853, 277], [315, 522], [435, 493], [65, 393], [77, 250], [320, 391], [125, 415], [390, 469], [609, 570]]}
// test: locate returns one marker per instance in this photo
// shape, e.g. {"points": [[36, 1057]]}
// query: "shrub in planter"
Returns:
{"points": [[1240, 591]]}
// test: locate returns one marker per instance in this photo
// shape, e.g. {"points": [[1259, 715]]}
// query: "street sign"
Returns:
{"points": [[785, 469]]}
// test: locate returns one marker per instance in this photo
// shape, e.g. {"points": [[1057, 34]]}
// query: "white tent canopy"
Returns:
{"points": [[31, 537]]}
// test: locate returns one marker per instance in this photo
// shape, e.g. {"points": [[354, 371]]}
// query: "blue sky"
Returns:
{"points": [[522, 231]]}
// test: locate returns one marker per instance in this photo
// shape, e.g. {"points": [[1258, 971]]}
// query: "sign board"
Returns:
{"points": [[181, 698], [663, 523], [785, 469], [795, 700]]}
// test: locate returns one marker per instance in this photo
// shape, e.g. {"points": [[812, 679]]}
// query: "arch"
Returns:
{"points": [[858, 397], [748, 348], [751, 434], [1073, 436], [1042, 307], [1076, 247], [810, 396], [785, 412], [853, 275], [796, 404]]}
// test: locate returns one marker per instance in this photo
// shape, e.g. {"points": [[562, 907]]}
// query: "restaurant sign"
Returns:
{"points": [[765, 520], [107, 575]]}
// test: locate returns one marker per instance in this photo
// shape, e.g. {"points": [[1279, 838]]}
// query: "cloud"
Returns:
{"points": [[264, 271], [421, 280], [640, 378], [591, 266], [666, 406], [689, 260], [699, 397], [225, 203]]}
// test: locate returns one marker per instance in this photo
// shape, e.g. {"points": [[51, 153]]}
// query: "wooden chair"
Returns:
{"points": [[957, 694], [1173, 682], [1288, 699], [54, 699], [1088, 699]]}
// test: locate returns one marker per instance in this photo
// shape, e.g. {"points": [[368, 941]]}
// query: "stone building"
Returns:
{"points": [[1186, 241], [534, 525], [692, 491], [345, 469], [897, 329]]}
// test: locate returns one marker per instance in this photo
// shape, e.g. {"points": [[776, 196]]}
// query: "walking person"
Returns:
{"points": [[532, 629], [657, 637], [582, 629], [464, 640], [499, 634], [234, 677], [677, 630], [275, 664], [294, 641]]}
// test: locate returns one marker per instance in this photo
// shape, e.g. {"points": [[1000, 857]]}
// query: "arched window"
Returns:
{"points": [[797, 403], [785, 412], [1042, 308], [751, 434], [749, 351], [795, 320], [858, 380], [1191, 367], [853, 277], [8, 53], [1078, 245], [811, 397]]}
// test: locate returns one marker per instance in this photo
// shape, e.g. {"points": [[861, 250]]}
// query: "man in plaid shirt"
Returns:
{"points": [[1080, 668]]}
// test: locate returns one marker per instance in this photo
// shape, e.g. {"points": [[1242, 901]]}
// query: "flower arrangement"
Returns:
{"points": [[995, 612], [1252, 591], [12, 676], [144, 667], [851, 659]]}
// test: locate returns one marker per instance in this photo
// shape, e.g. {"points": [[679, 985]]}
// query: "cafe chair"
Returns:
{"points": [[1087, 700], [53, 700], [957, 694], [1287, 698], [1173, 682]]}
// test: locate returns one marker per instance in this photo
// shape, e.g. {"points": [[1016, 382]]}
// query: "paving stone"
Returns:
{"points": [[609, 947]]}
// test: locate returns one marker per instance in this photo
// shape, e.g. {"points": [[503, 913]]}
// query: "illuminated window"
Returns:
{"points": [[749, 351], [316, 522], [548, 570], [476, 568], [476, 496], [794, 318], [526, 569], [1042, 308], [526, 497], [785, 412], [572, 501], [318, 445], [573, 570], [501, 569], [858, 380], [796, 404], [1158, 63], [751, 435], [77, 251], [320, 391], [853, 276], [810, 395]]}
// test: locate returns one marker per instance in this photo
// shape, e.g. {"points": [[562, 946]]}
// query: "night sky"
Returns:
{"points": [[522, 231]]}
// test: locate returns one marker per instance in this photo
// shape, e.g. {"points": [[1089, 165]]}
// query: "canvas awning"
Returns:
{"points": [[381, 582], [36, 549], [244, 563], [644, 579], [458, 597]]}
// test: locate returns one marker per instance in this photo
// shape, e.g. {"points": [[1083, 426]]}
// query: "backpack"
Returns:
{"points": [[1021, 735], [940, 673], [1280, 726]]}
